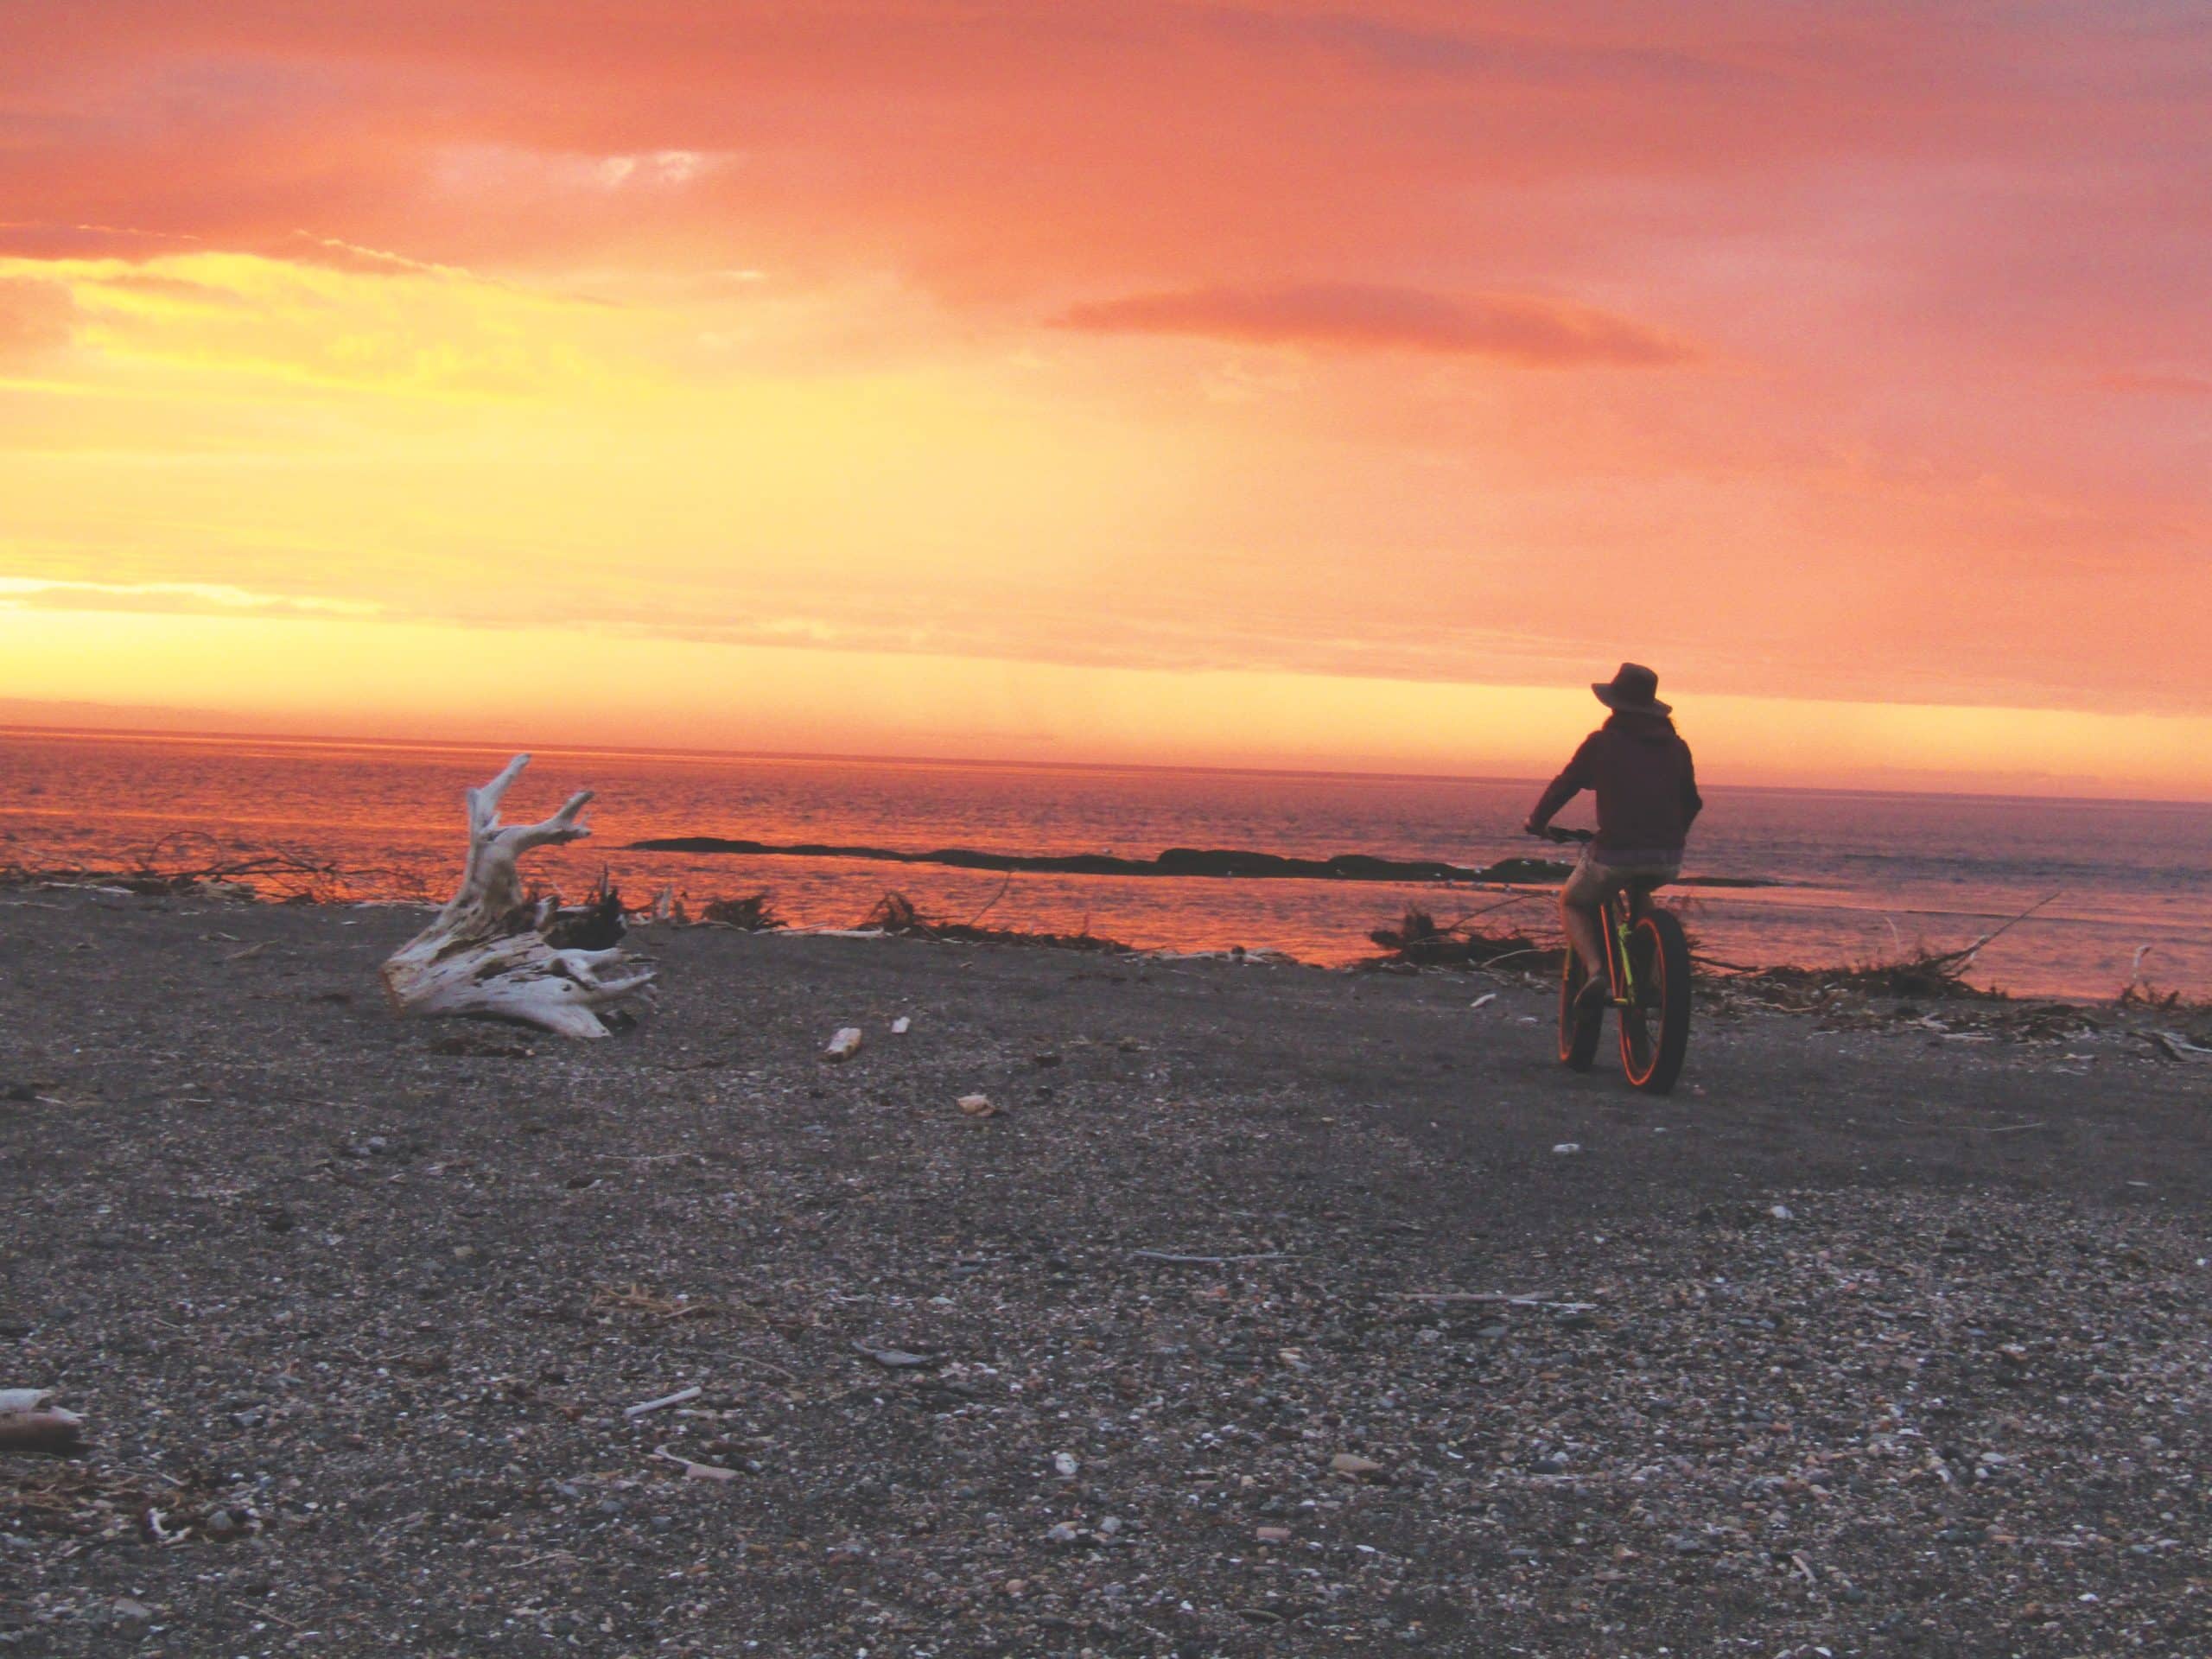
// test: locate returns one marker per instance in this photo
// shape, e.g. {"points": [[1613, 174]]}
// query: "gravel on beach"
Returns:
{"points": [[1259, 1310]]}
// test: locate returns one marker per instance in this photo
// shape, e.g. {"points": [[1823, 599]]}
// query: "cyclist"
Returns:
{"points": [[1639, 770]]}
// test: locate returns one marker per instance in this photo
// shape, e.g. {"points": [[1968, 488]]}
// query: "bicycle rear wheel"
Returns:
{"points": [[1579, 1029], [1656, 1031]]}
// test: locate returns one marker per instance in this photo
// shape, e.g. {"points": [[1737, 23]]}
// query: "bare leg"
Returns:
{"points": [[1582, 933]]}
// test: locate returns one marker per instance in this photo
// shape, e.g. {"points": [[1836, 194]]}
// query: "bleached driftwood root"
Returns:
{"points": [[486, 954]]}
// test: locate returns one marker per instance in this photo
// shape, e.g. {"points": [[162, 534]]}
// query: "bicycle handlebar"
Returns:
{"points": [[1553, 832]]}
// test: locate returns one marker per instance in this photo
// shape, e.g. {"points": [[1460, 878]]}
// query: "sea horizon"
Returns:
{"points": [[658, 752]]}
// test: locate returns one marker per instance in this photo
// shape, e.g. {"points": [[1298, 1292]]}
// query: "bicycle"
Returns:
{"points": [[1648, 965]]}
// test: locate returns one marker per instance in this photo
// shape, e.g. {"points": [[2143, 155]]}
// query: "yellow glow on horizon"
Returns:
{"points": [[346, 677]]}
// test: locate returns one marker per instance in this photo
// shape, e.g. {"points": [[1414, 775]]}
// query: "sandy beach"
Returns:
{"points": [[1877, 1338]]}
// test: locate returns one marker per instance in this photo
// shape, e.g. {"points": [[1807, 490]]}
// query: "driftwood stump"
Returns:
{"points": [[487, 953]]}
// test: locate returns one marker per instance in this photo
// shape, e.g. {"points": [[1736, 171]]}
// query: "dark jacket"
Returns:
{"points": [[1645, 785]]}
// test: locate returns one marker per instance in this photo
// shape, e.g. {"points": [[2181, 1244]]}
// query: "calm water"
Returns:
{"points": [[1869, 872]]}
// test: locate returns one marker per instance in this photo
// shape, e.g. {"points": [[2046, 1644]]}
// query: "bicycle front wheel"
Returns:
{"points": [[1655, 1030]]}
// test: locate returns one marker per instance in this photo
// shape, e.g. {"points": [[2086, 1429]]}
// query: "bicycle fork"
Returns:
{"points": [[1621, 961]]}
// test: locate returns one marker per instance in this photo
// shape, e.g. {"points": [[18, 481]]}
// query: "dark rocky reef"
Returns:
{"points": [[1209, 863]]}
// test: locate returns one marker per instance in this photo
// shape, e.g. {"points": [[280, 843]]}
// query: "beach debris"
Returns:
{"points": [[752, 913], [596, 924], [1566, 1148], [897, 1359], [843, 1045], [636, 1298], [682, 1397], [1065, 1464], [28, 1424], [694, 1471], [1350, 1462], [1419, 940], [978, 1106], [901, 1025], [490, 951], [481, 1047], [2175, 1047], [1481, 1297], [1484, 1001]]}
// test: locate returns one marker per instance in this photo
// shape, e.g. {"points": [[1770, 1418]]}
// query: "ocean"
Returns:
{"points": [[1861, 876]]}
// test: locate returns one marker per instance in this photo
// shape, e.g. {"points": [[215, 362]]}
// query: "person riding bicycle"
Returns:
{"points": [[1640, 772]]}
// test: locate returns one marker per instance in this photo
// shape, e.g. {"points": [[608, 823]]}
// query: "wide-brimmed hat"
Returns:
{"points": [[1632, 692]]}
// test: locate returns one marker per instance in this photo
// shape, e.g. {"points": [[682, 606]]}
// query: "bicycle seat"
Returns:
{"points": [[1638, 889]]}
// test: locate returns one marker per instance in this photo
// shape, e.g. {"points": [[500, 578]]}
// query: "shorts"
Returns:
{"points": [[1594, 877]]}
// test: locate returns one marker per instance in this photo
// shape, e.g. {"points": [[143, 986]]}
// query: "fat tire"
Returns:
{"points": [[1664, 953]]}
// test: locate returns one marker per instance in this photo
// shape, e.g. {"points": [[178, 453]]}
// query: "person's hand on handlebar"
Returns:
{"points": [[1553, 832]]}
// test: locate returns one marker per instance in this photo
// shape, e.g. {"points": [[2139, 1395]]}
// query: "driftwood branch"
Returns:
{"points": [[28, 1424], [488, 952]]}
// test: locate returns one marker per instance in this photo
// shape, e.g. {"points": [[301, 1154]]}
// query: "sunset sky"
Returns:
{"points": [[1259, 383]]}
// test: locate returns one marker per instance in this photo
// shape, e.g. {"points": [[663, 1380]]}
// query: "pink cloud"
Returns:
{"points": [[2169, 383], [1516, 328]]}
